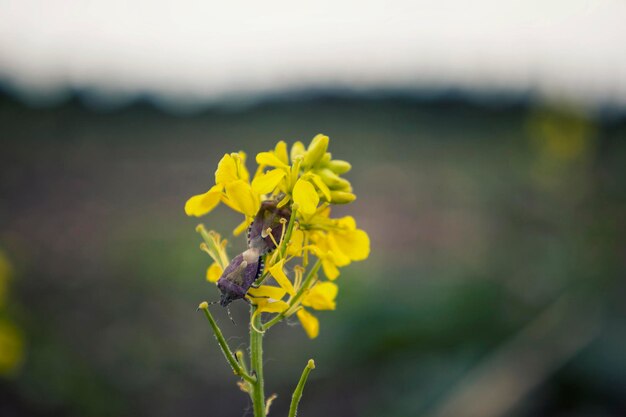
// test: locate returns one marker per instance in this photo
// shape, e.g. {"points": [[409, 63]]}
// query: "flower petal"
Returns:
{"points": [[226, 170], [240, 162], [271, 306], [305, 195], [310, 323], [266, 183], [268, 158], [214, 272], [321, 186], [347, 223], [354, 244], [201, 204], [330, 269], [279, 275], [267, 291], [281, 152], [242, 198], [294, 247], [241, 227], [321, 296]]}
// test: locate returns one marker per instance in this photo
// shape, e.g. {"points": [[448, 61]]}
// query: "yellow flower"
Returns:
{"points": [[232, 187], [337, 242], [320, 297], [307, 180]]}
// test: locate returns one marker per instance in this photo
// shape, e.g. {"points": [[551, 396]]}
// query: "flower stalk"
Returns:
{"points": [[291, 240], [228, 354], [297, 393], [256, 363]]}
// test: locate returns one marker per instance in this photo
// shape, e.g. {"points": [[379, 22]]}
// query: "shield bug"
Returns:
{"points": [[270, 217], [245, 268], [239, 276]]}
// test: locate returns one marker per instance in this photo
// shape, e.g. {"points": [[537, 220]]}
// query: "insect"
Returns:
{"points": [[246, 267]]}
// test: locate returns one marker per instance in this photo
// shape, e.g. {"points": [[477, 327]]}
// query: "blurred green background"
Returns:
{"points": [[495, 284]]}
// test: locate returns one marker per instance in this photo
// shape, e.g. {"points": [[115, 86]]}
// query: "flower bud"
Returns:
{"points": [[333, 180], [338, 166], [316, 150], [341, 197], [297, 149]]}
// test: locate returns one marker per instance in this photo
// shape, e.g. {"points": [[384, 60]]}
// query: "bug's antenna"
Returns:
{"points": [[229, 315]]}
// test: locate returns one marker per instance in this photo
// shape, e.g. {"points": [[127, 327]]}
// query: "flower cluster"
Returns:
{"points": [[305, 182]]}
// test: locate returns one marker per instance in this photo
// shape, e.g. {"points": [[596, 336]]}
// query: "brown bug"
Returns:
{"points": [[246, 267]]}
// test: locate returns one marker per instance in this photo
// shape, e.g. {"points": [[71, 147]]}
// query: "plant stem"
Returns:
{"points": [[225, 349], [256, 364], [297, 394], [294, 300], [287, 237]]}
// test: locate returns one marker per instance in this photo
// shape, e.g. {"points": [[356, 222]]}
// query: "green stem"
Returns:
{"points": [[296, 298], [256, 364], [287, 237], [225, 349], [297, 394], [241, 360]]}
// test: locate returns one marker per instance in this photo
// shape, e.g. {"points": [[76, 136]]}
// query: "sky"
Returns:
{"points": [[205, 51]]}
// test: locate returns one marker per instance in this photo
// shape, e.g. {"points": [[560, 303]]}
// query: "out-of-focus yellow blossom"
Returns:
{"points": [[11, 348], [308, 181], [11, 341]]}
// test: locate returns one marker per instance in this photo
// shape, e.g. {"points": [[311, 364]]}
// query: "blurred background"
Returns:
{"points": [[489, 150]]}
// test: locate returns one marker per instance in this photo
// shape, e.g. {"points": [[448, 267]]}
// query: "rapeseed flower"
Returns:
{"points": [[306, 181]]}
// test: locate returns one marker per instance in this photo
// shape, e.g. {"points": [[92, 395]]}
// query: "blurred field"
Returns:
{"points": [[495, 284]]}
